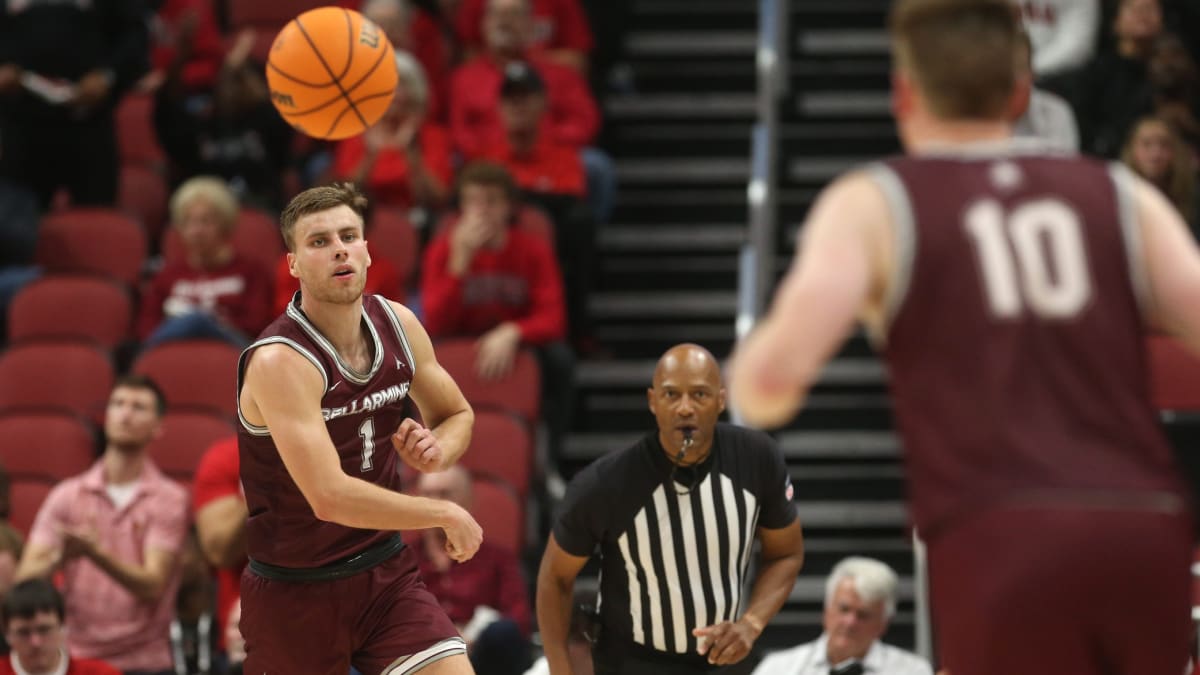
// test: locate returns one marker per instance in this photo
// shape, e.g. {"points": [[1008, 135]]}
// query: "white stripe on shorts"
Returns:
{"points": [[414, 662]]}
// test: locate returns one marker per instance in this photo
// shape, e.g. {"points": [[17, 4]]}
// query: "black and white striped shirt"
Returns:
{"points": [[671, 563]]}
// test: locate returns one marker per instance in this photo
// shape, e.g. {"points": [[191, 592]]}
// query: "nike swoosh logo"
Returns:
{"points": [[335, 386], [399, 364]]}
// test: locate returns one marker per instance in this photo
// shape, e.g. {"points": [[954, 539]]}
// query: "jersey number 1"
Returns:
{"points": [[1049, 272], [366, 431]]}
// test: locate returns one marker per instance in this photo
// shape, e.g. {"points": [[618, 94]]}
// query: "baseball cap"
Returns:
{"points": [[519, 79]]}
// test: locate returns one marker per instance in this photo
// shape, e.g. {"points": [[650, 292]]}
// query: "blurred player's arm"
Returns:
{"points": [[1172, 263], [442, 404], [828, 287], [729, 642], [555, 597], [282, 391]]}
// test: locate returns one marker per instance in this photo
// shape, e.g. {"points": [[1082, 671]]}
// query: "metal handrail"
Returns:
{"points": [[757, 260]]}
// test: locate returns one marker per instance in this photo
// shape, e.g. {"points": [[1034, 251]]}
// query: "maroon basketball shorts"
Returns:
{"points": [[382, 621], [1063, 591]]}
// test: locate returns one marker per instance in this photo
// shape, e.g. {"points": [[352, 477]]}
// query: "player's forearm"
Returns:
{"points": [[38, 566], [224, 545], [356, 503], [454, 434], [554, 620], [771, 589]]}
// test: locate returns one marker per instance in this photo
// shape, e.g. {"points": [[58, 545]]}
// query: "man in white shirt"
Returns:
{"points": [[1048, 116], [860, 600]]}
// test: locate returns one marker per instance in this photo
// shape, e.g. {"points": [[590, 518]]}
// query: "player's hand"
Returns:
{"points": [[93, 88], [10, 78], [463, 534], [726, 642], [496, 351], [417, 446]]}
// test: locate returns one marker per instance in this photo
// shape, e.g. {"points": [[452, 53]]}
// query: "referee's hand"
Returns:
{"points": [[726, 642]]}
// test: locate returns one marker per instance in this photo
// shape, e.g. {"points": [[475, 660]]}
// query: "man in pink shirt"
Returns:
{"points": [[115, 533]]}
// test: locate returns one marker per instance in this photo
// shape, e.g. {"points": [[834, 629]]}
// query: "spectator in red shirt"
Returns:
{"points": [[413, 31], [559, 28], [483, 278], [402, 161], [186, 28], [213, 292], [220, 512], [573, 117], [33, 613], [486, 597]]}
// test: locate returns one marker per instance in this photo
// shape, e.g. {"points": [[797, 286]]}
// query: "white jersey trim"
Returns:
{"points": [[296, 315], [276, 339], [414, 662], [399, 328], [904, 241], [1124, 186]]}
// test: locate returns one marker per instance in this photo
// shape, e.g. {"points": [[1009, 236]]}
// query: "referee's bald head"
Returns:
{"points": [[690, 357]]}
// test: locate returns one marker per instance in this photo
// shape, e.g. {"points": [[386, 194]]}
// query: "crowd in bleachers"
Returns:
{"points": [[142, 166]]}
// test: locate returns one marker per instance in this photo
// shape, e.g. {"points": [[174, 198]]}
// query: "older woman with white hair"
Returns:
{"points": [[860, 600], [212, 292], [403, 160]]}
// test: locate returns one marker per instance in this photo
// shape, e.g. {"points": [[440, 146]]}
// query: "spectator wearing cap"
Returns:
{"points": [[572, 116]]}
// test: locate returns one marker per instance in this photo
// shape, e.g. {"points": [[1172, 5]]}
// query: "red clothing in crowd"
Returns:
{"points": [[557, 24], [74, 667], [549, 168], [491, 578], [382, 279], [388, 181], [216, 477], [208, 50], [572, 117], [430, 49], [239, 293], [518, 282]]}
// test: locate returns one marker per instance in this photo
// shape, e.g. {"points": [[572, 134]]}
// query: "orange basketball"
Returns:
{"points": [[332, 73]]}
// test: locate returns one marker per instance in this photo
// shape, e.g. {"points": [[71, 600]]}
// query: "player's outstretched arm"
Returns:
{"points": [[816, 305], [555, 595], [1171, 260], [282, 390], [442, 404]]}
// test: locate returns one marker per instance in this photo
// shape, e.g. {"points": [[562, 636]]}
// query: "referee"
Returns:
{"points": [[674, 518]]}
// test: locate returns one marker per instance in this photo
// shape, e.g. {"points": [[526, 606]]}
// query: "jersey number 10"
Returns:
{"points": [[1031, 257]]}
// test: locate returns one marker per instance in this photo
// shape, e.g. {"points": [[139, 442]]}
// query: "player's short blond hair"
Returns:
{"points": [[211, 189], [315, 200], [960, 53]]}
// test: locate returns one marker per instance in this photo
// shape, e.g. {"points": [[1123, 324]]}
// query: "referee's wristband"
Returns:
{"points": [[753, 623]]}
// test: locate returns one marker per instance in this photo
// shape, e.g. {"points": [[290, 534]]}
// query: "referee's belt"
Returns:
{"points": [[341, 569]]}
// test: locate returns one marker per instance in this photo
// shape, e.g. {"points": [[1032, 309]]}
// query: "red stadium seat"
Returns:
{"points": [[99, 309], [186, 435], [499, 512], [1174, 375], [74, 377], [392, 236], [143, 192], [45, 446], [199, 374], [500, 448], [136, 141], [519, 393], [92, 241], [256, 237], [26, 496]]}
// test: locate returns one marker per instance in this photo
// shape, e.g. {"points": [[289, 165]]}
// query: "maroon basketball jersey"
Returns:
{"points": [[361, 412], [1015, 342]]}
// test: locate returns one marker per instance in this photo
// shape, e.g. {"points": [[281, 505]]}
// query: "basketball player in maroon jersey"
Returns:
{"points": [[329, 583], [1010, 289]]}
